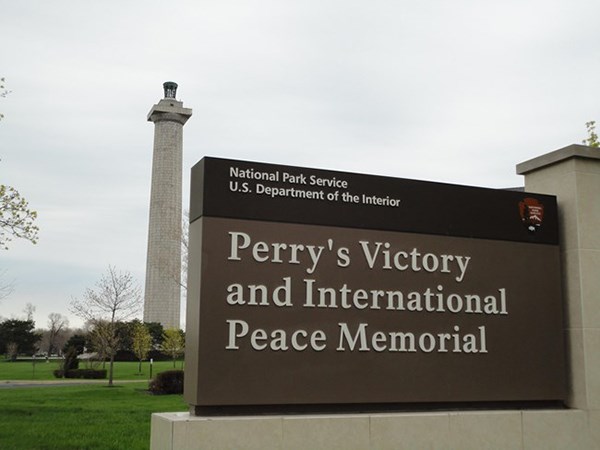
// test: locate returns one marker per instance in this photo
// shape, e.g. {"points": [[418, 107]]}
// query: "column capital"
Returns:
{"points": [[169, 109]]}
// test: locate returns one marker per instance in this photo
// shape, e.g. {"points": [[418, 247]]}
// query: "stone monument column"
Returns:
{"points": [[163, 264]]}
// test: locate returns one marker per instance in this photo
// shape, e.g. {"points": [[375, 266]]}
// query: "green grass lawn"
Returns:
{"points": [[80, 416], [25, 370]]}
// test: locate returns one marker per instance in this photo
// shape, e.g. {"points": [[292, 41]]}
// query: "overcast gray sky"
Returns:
{"points": [[453, 91]]}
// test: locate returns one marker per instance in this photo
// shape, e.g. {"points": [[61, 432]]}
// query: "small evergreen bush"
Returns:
{"points": [[168, 382], [70, 362]]}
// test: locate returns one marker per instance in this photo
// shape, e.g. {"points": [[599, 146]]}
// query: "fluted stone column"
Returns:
{"points": [[163, 265]]}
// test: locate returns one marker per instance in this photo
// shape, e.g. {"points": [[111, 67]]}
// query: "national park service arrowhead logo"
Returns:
{"points": [[532, 213]]}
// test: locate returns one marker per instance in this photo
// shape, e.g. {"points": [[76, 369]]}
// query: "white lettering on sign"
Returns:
{"points": [[279, 252], [277, 340], [408, 342], [380, 253], [374, 256], [272, 183]]}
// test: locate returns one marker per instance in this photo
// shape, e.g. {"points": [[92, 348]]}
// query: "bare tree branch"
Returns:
{"points": [[57, 325], [6, 287], [116, 297]]}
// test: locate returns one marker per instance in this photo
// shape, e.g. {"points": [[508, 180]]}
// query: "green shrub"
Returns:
{"points": [[168, 382], [70, 362], [89, 374]]}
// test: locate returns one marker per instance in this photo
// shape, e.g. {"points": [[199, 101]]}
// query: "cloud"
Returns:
{"points": [[455, 92]]}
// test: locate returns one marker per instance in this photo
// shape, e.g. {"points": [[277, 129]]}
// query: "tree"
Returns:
{"points": [[16, 219], [105, 340], [173, 343], [77, 341], [57, 325], [12, 350], [6, 287], [3, 93], [29, 311], [70, 361], [185, 236], [20, 333], [183, 278], [592, 139], [116, 297], [156, 331], [142, 342], [124, 332]]}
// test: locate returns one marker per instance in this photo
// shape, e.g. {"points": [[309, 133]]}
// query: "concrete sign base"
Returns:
{"points": [[502, 430]]}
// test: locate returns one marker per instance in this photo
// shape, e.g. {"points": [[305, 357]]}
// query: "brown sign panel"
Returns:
{"points": [[284, 313], [274, 193]]}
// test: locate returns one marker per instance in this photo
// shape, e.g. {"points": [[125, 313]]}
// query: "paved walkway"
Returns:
{"points": [[6, 384]]}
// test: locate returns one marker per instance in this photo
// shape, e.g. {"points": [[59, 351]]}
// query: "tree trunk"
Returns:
{"points": [[140, 367], [110, 370]]}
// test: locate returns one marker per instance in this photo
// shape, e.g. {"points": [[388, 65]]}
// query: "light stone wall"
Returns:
{"points": [[480, 430], [573, 175], [162, 294]]}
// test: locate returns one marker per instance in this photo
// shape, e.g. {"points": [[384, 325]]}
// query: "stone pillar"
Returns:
{"points": [[573, 175], [163, 265]]}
